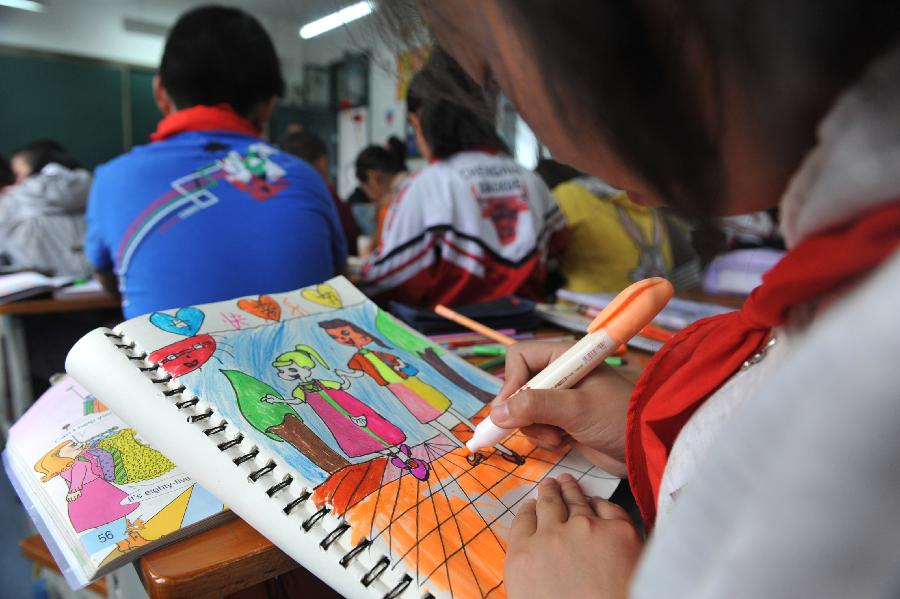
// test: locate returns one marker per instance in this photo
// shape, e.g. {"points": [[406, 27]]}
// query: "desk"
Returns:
{"points": [[15, 383]]}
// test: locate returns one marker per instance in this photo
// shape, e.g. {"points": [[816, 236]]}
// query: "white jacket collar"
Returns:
{"points": [[856, 164]]}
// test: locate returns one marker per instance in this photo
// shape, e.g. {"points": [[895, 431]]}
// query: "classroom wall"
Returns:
{"points": [[387, 113], [95, 29]]}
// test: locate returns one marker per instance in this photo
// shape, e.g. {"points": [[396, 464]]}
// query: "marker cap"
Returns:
{"points": [[633, 308]]}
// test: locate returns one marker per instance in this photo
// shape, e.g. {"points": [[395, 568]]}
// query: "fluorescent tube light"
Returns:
{"points": [[336, 19], [23, 5]]}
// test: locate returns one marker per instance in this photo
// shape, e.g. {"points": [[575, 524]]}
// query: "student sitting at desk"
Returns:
{"points": [[380, 174], [612, 241], [42, 214], [761, 445], [208, 210], [471, 226]]}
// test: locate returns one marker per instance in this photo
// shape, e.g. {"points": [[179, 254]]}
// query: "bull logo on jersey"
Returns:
{"points": [[503, 211]]}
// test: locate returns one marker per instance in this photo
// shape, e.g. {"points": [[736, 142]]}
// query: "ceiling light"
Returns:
{"points": [[336, 19], [24, 5]]}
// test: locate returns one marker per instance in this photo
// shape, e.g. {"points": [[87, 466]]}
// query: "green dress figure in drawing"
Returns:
{"points": [[280, 421]]}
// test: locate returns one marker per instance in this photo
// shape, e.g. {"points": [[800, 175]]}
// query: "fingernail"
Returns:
{"points": [[565, 478], [500, 411]]}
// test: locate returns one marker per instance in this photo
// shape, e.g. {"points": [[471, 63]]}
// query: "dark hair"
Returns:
{"points": [[375, 158], [39, 154], [455, 113], [555, 173], [340, 322], [7, 177], [305, 145], [216, 55], [397, 148], [623, 67]]}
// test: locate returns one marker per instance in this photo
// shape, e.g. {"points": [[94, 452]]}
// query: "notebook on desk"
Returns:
{"points": [[334, 430], [99, 495]]}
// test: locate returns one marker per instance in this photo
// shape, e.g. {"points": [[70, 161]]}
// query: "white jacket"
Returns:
{"points": [[785, 484]]}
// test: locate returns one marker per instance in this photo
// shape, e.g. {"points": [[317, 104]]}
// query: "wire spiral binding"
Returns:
{"points": [[375, 571], [180, 402]]}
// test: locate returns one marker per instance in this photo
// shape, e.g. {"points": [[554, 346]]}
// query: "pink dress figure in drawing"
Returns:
{"points": [[422, 400], [357, 428], [92, 501]]}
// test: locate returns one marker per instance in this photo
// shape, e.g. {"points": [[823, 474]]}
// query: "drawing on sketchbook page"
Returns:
{"points": [[265, 307], [324, 295], [184, 356], [423, 401], [375, 417], [185, 321]]}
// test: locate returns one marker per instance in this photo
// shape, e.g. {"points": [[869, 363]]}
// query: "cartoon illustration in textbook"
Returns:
{"points": [[92, 499]]}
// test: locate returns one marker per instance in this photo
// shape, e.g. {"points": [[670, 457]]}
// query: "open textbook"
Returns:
{"points": [[98, 494], [333, 429]]}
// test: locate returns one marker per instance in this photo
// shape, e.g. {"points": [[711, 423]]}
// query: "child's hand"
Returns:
{"points": [[592, 414], [73, 495], [568, 545]]}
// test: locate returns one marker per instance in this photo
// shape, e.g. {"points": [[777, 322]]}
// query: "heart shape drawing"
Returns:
{"points": [[265, 307], [186, 321], [324, 295]]}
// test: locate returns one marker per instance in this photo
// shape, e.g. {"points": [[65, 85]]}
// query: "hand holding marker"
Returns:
{"points": [[627, 314]]}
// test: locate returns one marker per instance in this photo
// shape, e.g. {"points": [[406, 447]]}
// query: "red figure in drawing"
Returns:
{"points": [[357, 428], [423, 401], [91, 500], [184, 356]]}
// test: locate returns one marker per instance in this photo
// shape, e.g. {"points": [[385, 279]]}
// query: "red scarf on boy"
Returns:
{"points": [[220, 117], [699, 359]]}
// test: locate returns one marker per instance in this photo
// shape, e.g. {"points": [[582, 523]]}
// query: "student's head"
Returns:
{"points": [[310, 148], [555, 173], [397, 148], [375, 169], [449, 112], [347, 333], [298, 363], [219, 55], [31, 159], [703, 103], [7, 177]]}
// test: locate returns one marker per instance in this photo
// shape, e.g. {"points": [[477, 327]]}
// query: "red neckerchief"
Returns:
{"points": [[699, 359], [220, 117]]}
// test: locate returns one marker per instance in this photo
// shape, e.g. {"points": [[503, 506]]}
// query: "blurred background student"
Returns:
{"points": [[311, 148], [612, 241], [260, 219], [472, 225], [380, 172], [42, 213]]}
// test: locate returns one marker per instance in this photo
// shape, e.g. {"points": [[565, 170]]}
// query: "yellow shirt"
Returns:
{"points": [[601, 256]]}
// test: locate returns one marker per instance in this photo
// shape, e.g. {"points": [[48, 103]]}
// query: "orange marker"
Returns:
{"points": [[473, 326], [621, 320]]}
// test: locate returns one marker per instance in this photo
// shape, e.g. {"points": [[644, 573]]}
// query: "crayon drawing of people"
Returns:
{"points": [[423, 401], [358, 429], [92, 501]]}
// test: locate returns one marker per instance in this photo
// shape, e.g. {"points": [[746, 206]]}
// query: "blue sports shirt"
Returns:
{"points": [[204, 216]]}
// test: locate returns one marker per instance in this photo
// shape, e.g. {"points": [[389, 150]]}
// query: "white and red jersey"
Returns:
{"points": [[471, 228]]}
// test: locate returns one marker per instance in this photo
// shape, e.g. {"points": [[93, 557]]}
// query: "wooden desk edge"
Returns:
{"points": [[92, 301], [249, 558]]}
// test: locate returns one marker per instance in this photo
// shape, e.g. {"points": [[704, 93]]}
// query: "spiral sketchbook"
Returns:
{"points": [[333, 429], [99, 495]]}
